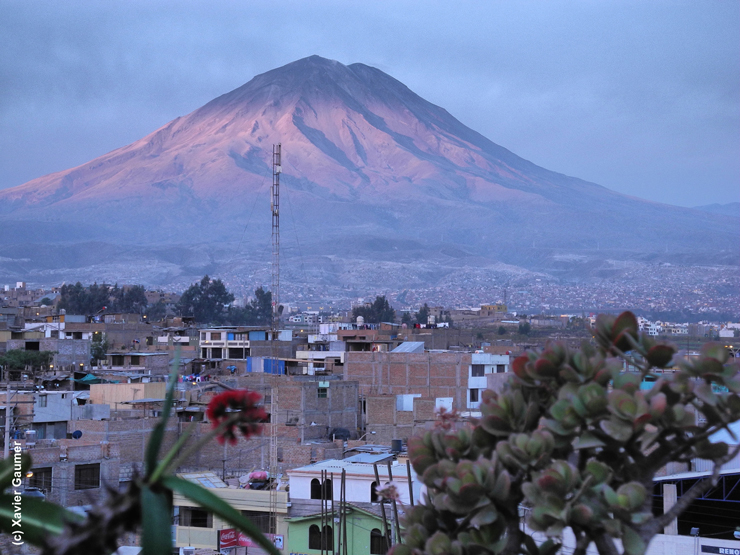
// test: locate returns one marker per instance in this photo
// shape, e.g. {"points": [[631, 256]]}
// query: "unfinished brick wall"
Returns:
{"points": [[384, 423], [430, 374], [63, 457], [304, 414], [131, 436]]}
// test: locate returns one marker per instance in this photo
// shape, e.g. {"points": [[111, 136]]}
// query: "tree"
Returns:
{"points": [[422, 317], [157, 311], [98, 347], [524, 328], [577, 453], [501, 330], [257, 313], [206, 301], [46, 301], [379, 311], [129, 299], [31, 361]]}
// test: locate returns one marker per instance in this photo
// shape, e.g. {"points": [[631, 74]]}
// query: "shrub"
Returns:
{"points": [[574, 442]]}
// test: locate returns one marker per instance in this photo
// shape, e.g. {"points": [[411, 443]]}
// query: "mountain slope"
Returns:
{"points": [[363, 157]]}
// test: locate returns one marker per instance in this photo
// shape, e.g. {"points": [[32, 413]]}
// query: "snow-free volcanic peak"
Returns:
{"points": [[364, 159]]}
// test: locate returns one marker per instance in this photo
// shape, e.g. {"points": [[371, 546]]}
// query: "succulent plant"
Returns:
{"points": [[575, 442]]}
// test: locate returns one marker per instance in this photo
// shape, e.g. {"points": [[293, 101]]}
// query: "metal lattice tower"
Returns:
{"points": [[277, 169], [275, 209]]}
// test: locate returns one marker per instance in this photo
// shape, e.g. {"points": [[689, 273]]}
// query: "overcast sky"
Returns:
{"points": [[641, 97]]}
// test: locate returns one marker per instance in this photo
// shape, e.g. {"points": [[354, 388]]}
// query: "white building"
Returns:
{"points": [[481, 365], [360, 481]]}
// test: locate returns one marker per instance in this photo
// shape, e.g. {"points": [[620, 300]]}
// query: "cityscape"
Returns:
{"points": [[369, 279]]}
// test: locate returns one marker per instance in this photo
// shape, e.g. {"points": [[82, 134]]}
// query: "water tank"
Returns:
{"points": [[360, 320], [396, 445]]}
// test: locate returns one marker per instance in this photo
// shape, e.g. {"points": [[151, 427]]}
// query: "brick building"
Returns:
{"points": [[74, 472]]}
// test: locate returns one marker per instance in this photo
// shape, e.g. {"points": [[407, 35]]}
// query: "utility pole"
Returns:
{"points": [[277, 169]]}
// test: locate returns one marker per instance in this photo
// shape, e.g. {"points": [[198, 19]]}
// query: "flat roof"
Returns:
{"points": [[695, 475]]}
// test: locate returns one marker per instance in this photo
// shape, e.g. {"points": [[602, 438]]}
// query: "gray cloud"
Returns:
{"points": [[643, 98]]}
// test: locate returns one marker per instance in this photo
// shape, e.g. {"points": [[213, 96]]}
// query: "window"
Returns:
{"points": [[216, 352], [317, 490], [43, 399], [135, 360], [41, 479], [117, 360], [262, 520], [478, 370], [203, 336], [317, 540], [378, 543], [323, 392], [195, 517], [474, 395], [374, 492], [87, 476], [236, 353], [500, 368], [215, 336]]}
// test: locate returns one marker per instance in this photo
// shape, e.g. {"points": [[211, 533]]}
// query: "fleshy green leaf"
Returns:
{"points": [[587, 440], [218, 506], [6, 469], [156, 512], [38, 518], [616, 429], [633, 544]]}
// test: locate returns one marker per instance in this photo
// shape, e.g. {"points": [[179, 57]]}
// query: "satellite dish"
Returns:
{"points": [[77, 434], [243, 479]]}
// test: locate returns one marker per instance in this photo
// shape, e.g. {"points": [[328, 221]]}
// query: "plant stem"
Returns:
{"points": [[171, 466]]}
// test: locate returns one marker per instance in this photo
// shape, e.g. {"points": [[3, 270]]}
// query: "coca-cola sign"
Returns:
{"points": [[228, 538]]}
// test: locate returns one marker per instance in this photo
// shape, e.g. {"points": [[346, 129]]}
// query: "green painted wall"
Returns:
{"points": [[359, 525]]}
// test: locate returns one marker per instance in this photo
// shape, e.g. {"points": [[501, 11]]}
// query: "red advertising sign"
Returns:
{"points": [[229, 537]]}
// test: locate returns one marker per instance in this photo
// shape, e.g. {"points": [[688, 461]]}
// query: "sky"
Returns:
{"points": [[640, 97]]}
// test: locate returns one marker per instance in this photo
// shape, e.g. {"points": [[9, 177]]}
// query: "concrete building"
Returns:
{"points": [[73, 472], [482, 365], [198, 528]]}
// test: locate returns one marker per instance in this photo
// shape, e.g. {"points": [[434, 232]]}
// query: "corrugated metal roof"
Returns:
{"points": [[370, 458], [410, 347], [205, 479]]}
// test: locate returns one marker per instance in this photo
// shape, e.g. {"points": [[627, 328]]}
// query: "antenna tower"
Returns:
{"points": [[277, 169]]}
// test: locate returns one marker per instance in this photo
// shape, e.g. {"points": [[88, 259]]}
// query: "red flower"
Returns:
{"points": [[240, 411]]}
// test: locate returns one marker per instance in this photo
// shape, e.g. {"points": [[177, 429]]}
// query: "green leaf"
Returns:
{"points": [[156, 520], [616, 429], [6, 469], [599, 471], [704, 392], [218, 506], [633, 544], [38, 518], [550, 547], [485, 516], [587, 440], [155, 440]]}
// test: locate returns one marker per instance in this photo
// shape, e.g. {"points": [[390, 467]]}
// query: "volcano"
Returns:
{"points": [[368, 167]]}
